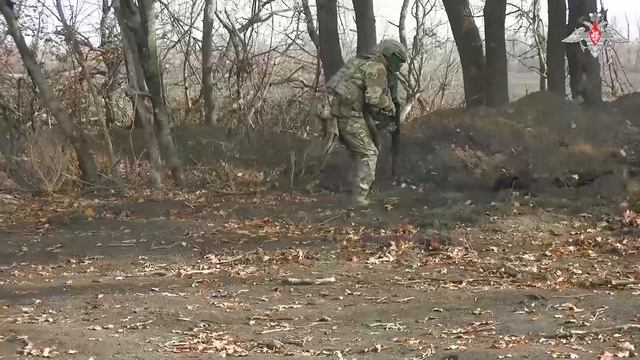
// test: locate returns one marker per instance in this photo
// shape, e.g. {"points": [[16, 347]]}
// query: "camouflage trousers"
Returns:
{"points": [[356, 137]]}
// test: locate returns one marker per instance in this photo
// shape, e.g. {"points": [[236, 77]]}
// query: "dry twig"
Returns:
{"points": [[323, 281], [572, 333]]}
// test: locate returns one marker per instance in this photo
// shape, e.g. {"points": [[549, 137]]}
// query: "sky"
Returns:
{"points": [[389, 10], [387, 14]]}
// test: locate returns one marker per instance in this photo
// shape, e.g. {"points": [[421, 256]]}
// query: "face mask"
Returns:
{"points": [[395, 63]]}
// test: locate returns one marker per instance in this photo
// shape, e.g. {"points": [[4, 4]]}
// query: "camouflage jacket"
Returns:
{"points": [[361, 80]]}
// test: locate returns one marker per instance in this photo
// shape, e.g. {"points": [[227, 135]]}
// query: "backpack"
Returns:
{"points": [[346, 88], [321, 111]]}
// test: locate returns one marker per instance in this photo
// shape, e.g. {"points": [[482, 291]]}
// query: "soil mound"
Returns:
{"points": [[628, 107], [541, 138]]}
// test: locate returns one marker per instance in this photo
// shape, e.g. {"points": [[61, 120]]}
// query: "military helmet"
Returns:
{"points": [[389, 47]]}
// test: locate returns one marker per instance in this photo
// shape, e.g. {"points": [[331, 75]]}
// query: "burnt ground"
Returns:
{"points": [[437, 268]]}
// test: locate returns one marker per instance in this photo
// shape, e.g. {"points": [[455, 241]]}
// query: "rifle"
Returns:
{"points": [[374, 125], [395, 134], [385, 123], [395, 140]]}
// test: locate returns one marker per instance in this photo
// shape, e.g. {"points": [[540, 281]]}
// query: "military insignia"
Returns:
{"points": [[595, 34]]}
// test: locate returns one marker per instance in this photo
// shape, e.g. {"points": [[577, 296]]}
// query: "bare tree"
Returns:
{"points": [[555, 47], [187, 49], [412, 82], [72, 42], [497, 91], [110, 55], [210, 113], [537, 27], [311, 27], [142, 107], [529, 32], [312, 31], [365, 26], [141, 20], [329, 37], [432, 61], [428, 75], [584, 69], [469, 43], [402, 22], [72, 131], [250, 75]]}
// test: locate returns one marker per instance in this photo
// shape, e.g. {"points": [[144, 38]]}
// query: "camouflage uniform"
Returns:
{"points": [[362, 80]]}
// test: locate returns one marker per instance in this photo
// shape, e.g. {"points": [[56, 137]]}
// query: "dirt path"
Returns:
{"points": [[433, 275]]}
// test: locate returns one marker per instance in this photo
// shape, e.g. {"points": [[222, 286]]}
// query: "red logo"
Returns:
{"points": [[595, 34]]}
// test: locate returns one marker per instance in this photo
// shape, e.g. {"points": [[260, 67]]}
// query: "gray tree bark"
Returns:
{"points": [[469, 43], [328, 37], [141, 21], [538, 33], [497, 91], [72, 131], [143, 110], [555, 47], [151, 67], [365, 25], [584, 69], [112, 64], [210, 113], [311, 27], [402, 22]]}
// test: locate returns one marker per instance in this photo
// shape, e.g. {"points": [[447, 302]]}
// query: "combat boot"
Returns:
{"points": [[359, 200]]}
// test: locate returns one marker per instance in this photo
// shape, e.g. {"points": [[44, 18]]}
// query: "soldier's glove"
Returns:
{"points": [[390, 111], [385, 122], [390, 126], [397, 106]]}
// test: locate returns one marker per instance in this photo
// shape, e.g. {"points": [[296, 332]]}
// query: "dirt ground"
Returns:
{"points": [[436, 268]]}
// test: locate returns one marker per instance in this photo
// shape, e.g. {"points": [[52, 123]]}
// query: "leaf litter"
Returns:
{"points": [[299, 275]]}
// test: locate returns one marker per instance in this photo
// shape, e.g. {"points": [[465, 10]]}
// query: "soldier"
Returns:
{"points": [[358, 91]]}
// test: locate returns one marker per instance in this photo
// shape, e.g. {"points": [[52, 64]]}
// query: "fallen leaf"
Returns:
{"points": [[89, 213], [455, 347], [606, 356]]}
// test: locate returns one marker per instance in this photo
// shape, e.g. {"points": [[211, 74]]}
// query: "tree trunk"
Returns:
{"points": [[469, 43], [365, 25], [402, 23], [143, 111], [543, 71], [141, 21], [311, 27], [538, 33], [573, 49], [151, 66], [313, 35], [328, 37], [111, 63], [132, 68], [497, 91], [584, 69], [210, 113], [70, 37], [72, 131]]}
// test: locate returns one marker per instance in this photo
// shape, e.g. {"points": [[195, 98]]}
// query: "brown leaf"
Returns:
{"points": [[628, 350], [606, 356], [89, 213]]}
